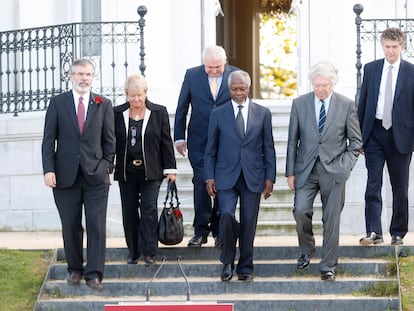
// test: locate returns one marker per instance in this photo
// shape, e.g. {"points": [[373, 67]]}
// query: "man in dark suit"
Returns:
{"points": [[78, 151], [323, 146], [240, 163], [204, 87], [386, 116]]}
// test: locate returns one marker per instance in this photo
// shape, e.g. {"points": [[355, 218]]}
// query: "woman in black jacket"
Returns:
{"points": [[144, 157]]}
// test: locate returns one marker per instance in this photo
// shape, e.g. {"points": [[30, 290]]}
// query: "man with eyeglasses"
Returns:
{"points": [[323, 146], [78, 150]]}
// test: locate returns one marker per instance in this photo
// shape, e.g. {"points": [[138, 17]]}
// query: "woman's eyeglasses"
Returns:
{"points": [[133, 136]]}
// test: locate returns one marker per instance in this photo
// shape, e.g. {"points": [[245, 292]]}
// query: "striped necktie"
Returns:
{"points": [[322, 117]]}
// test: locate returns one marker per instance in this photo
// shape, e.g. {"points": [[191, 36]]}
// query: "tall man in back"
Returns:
{"points": [[386, 116], [78, 151], [204, 87]]}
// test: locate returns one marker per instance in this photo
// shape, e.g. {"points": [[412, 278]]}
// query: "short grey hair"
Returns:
{"points": [[214, 52], [326, 70], [81, 62], [239, 75]]}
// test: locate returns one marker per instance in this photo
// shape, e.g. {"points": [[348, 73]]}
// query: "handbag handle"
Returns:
{"points": [[171, 193]]}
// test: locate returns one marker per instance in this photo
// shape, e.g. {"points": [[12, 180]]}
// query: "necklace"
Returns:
{"points": [[138, 116]]}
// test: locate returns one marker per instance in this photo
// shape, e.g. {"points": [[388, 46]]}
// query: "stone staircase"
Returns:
{"points": [[277, 285]]}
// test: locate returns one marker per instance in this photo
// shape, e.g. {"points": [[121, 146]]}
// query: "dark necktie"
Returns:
{"points": [[387, 115], [240, 121], [322, 117], [81, 114]]}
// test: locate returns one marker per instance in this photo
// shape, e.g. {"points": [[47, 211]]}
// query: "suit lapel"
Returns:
{"points": [[402, 74], [309, 106], [223, 80], [230, 119], [204, 83], [251, 117], [91, 111], [70, 108], [332, 111]]}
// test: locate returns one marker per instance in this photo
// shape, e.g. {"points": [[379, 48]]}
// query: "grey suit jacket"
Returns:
{"points": [[337, 147]]}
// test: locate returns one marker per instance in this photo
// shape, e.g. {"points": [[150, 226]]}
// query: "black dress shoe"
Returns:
{"points": [[246, 277], [132, 261], [328, 276], [149, 260], [371, 238], [74, 278], [304, 261], [197, 240], [227, 272], [397, 240], [95, 284]]}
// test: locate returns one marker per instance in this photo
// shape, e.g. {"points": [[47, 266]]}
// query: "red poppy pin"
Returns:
{"points": [[98, 100], [177, 213]]}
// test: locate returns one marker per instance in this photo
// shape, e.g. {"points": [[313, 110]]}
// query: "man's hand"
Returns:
{"points": [[50, 179], [181, 147], [291, 182], [211, 188], [268, 188]]}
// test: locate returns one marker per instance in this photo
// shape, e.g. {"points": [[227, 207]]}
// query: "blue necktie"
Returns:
{"points": [[322, 117]]}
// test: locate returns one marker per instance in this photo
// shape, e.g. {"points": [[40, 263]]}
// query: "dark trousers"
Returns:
{"points": [[381, 149], [333, 199], [231, 230], [205, 209], [69, 202], [139, 199]]}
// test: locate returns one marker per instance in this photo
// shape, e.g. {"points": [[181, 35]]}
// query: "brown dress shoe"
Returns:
{"points": [[74, 278], [95, 284]]}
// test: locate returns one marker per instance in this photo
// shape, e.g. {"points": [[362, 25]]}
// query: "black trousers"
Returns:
{"points": [[206, 217], [139, 198], [243, 230], [381, 149], [94, 200]]}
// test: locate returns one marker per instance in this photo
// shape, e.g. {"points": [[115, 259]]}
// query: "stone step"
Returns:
{"points": [[214, 286], [260, 252], [244, 302], [202, 268]]}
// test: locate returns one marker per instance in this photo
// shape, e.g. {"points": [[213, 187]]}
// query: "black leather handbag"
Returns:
{"points": [[170, 224]]}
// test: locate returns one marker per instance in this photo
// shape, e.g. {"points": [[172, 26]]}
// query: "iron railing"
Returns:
{"points": [[368, 35], [34, 62]]}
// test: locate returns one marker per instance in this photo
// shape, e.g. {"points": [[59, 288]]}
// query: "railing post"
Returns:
{"points": [[142, 10], [358, 8]]}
